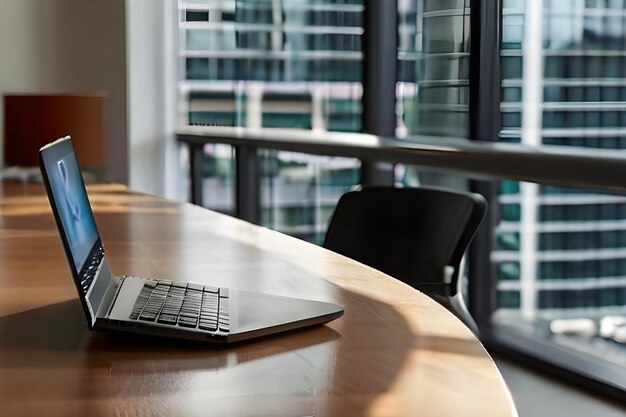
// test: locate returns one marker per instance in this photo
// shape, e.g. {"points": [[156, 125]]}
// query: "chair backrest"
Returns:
{"points": [[412, 234]]}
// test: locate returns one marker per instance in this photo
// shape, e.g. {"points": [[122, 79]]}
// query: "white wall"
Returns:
{"points": [[65, 46], [151, 58], [124, 47]]}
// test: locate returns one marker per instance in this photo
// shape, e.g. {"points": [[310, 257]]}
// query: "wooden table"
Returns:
{"points": [[395, 352]]}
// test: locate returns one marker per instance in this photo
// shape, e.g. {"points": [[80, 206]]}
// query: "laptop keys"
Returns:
{"points": [[208, 325], [223, 315], [141, 301], [167, 318], [208, 288], [156, 301], [186, 305], [208, 311], [147, 316]]}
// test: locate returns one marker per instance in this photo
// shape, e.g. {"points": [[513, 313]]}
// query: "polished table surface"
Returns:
{"points": [[395, 352]]}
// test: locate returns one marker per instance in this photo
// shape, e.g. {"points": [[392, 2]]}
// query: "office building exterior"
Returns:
{"points": [[561, 252], [298, 64], [272, 64]]}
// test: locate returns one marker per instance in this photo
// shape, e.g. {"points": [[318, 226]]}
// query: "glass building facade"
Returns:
{"points": [[561, 252], [265, 63], [298, 64], [433, 68], [275, 64]]}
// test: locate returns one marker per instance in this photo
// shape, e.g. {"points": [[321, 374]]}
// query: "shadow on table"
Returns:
{"points": [[61, 328], [310, 372]]}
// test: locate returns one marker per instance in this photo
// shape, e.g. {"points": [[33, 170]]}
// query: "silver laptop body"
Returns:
{"points": [[157, 307]]}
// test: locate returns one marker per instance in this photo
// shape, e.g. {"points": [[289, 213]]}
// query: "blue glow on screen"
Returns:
{"points": [[73, 207]]}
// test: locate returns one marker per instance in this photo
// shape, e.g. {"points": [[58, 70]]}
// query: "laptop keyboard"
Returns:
{"points": [[183, 304]]}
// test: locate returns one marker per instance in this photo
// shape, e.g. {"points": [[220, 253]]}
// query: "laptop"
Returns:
{"points": [[169, 308]]}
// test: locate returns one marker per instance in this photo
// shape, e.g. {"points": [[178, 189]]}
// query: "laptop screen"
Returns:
{"points": [[70, 201]]}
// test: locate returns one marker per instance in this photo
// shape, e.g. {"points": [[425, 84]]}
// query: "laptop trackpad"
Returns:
{"points": [[259, 311]]}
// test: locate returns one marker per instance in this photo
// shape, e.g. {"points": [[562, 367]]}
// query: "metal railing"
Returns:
{"points": [[559, 165]]}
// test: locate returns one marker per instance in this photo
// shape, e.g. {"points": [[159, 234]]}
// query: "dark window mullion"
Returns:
{"points": [[484, 79], [379, 44]]}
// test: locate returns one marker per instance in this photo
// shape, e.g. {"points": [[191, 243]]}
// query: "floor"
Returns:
{"points": [[538, 395]]}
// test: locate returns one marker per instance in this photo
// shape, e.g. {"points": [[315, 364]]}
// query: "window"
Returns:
{"points": [[560, 252], [266, 65], [433, 67]]}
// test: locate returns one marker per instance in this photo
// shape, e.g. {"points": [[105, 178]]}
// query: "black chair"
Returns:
{"points": [[417, 235]]}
